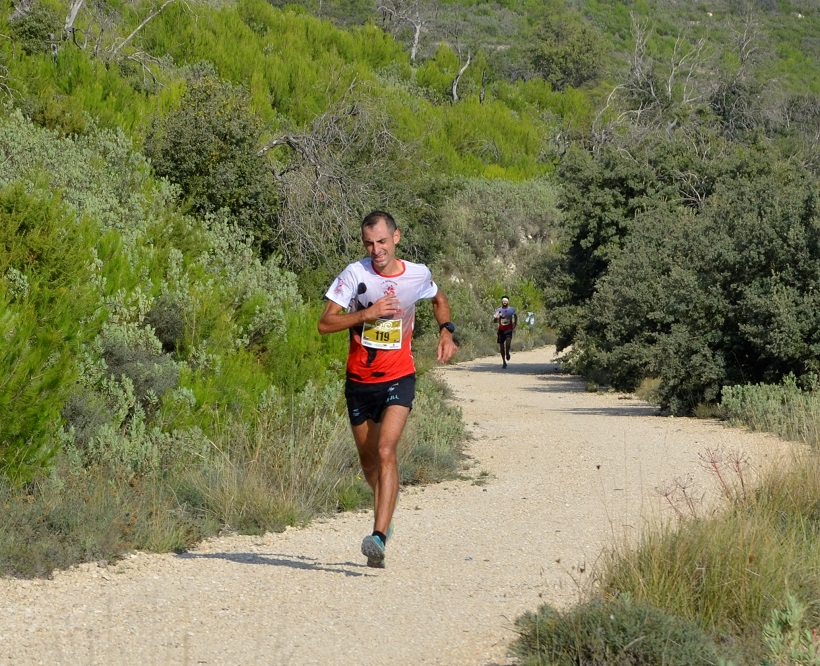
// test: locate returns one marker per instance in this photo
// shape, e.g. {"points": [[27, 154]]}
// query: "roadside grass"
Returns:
{"points": [[745, 578], [786, 409], [293, 461], [430, 450]]}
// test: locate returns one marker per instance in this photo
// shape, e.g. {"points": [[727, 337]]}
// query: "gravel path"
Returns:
{"points": [[557, 474]]}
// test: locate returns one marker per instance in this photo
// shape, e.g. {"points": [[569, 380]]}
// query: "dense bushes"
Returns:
{"points": [[701, 296], [161, 380], [48, 311], [567, 52], [208, 147]]}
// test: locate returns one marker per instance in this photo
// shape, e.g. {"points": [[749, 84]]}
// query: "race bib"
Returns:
{"points": [[382, 334], [505, 321]]}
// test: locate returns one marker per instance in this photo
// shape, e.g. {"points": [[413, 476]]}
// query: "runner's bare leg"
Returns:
{"points": [[377, 444]]}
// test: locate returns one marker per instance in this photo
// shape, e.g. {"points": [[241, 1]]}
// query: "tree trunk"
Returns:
{"points": [[415, 47], [73, 10], [458, 77]]}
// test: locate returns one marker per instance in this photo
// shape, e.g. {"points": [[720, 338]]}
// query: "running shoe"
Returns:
{"points": [[505, 365], [373, 550]]}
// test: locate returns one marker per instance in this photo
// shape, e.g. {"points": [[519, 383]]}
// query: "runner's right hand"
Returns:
{"points": [[387, 306]]}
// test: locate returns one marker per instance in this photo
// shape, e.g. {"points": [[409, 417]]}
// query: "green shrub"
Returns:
{"points": [[786, 409], [208, 146], [39, 29], [76, 515], [167, 320], [567, 51], [788, 638], [48, 309], [721, 293], [619, 631]]}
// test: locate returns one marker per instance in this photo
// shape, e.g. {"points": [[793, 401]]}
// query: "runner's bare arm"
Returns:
{"points": [[441, 311], [334, 320]]}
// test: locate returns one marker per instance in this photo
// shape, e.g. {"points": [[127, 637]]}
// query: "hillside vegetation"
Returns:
{"points": [[180, 182]]}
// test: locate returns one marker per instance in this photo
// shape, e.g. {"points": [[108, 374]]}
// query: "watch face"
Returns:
{"points": [[449, 326]]}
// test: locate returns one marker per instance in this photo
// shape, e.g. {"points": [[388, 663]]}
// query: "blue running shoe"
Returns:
{"points": [[373, 550]]}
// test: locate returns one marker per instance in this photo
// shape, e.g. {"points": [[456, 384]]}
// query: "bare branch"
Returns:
{"points": [[403, 12], [73, 10], [686, 63], [321, 189], [21, 9], [142, 59], [458, 76], [136, 30]]}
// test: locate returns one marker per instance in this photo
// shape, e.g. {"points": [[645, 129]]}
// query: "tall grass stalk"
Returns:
{"points": [[279, 470], [729, 571]]}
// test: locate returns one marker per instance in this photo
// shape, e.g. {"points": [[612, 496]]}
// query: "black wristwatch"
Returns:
{"points": [[448, 325]]}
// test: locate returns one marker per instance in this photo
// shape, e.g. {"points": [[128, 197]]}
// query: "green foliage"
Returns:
{"points": [[48, 310], [98, 174], [567, 52], [788, 409], [699, 272], [287, 59], [77, 516], [787, 637], [208, 146], [277, 469], [600, 197], [493, 220], [617, 631], [299, 355], [39, 28]]}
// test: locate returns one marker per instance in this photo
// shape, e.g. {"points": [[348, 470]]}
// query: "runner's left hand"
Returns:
{"points": [[446, 347]]}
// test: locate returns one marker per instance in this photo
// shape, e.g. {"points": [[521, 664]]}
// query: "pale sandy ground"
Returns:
{"points": [[557, 474]]}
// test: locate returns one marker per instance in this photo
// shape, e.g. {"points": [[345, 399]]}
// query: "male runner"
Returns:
{"points": [[507, 319], [379, 294]]}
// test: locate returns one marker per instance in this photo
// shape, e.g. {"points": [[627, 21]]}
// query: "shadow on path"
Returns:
{"points": [[277, 560], [557, 383], [625, 410], [512, 368]]}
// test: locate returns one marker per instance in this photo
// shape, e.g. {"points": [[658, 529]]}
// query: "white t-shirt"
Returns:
{"points": [[380, 350], [505, 315]]}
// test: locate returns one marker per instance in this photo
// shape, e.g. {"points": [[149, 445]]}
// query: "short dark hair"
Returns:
{"points": [[376, 216]]}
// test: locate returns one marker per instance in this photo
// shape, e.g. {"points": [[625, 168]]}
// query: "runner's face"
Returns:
{"points": [[380, 245]]}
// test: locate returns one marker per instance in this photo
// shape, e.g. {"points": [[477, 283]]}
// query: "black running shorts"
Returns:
{"points": [[503, 335], [368, 401]]}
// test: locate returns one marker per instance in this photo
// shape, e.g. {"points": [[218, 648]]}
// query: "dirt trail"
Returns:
{"points": [[558, 472]]}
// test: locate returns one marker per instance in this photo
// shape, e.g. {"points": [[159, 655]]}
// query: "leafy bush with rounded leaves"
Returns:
{"points": [[728, 293], [208, 146], [567, 52]]}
